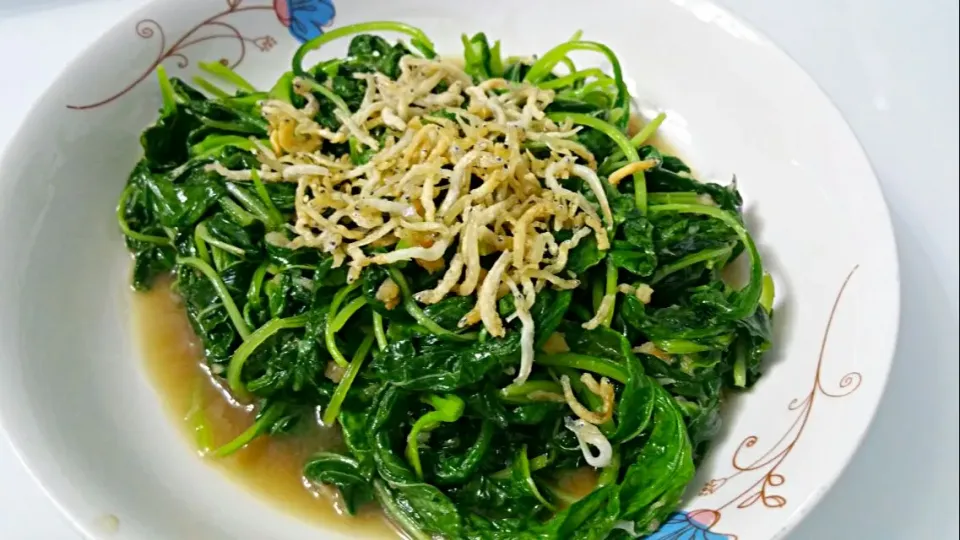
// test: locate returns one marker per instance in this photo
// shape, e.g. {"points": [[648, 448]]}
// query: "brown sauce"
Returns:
{"points": [[270, 467]]}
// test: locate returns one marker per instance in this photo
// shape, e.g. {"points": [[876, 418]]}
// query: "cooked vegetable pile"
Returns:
{"points": [[472, 269]]}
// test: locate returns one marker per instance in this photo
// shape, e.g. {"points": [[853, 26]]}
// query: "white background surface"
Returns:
{"points": [[892, 69]]}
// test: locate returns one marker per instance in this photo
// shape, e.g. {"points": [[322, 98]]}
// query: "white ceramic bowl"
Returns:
{"points": [[85, 420]]}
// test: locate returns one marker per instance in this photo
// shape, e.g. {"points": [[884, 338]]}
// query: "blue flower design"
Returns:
{"points": [[306, 19], [693, 525]]}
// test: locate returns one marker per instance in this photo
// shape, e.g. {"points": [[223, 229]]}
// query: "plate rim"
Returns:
{"points": [[890, 251]]}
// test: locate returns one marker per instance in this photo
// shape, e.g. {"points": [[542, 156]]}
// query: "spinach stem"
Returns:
{"points": [[269, 416], [166, 91], [608, 475], [224, 72], [329, 333], [237, 212], [748, 298], [420, 40], [571, 67], [333, 409], [740, 365], [448, 408], [715, 254], [256, 284], [621, 140], [210, 146], [231, 126], [202, 233], [254, 340], [199, 233], [378, 330], [125, 227], [413, 309], [276, 220], [520, 393], [526, 471], [327, 93], [211, 88], [639, 139], [583, 362], [348, 310], [251, 203], [218, 285], [611, 289], [675, 197], [766, 296], [573, 78], [648, 130], [544, 66]]}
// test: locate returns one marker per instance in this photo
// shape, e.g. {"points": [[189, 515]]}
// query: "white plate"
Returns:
{"points": [[75, 402]]}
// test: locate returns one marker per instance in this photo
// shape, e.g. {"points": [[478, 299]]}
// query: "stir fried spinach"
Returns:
{"points": [[434, 429]]}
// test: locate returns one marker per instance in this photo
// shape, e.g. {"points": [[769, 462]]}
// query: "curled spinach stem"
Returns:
{"points": [[348, 310], [621, 140], [544, 66], [569, 63], [378, 331], [261, 425], [254, 340], [343, 387], [327, 93], [448, 408], [218, 285], [330, 330], [748, 298], [719, 254], [225, 73], [411, 307], [256, 284], [420, 40], [526, 472], [583, 362], [574, 77], [125, 227]]}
